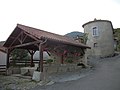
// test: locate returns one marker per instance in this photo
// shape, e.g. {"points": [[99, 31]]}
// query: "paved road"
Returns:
{"points": [[106, 76]]}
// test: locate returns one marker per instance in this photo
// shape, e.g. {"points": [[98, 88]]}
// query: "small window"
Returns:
{"points": [[95, 45], [95, 31]]}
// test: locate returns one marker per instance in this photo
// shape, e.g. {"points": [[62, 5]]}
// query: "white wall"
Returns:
{"points": [[2, 58], [45, 56]]}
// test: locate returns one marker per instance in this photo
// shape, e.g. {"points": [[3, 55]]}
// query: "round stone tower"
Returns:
{"points": [[99, 38]]}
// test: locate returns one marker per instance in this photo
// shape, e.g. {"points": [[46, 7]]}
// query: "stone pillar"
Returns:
{"points": [[85, 58]]}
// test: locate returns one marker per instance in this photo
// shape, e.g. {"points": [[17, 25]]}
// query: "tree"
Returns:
{"points": [[117, 38], [85, 38], [19, 54]]}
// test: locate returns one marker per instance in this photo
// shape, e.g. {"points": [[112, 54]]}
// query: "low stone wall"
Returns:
{"points": [[28, 70], [13, 70], [49, 69], [21, 70]]}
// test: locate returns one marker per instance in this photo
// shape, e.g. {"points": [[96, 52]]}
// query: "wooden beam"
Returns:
{"points": [[62, 58], [31, 51], [41, 58], [12, 37], [8, 51], [24, 37], [82, 51], [15, 39], [31, 36], [20, 39], [41, 55], [26, 44], [7, 58], [31, 61]]}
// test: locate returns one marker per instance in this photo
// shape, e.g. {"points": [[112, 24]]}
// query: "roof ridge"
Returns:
{"points": [[39, 29]]}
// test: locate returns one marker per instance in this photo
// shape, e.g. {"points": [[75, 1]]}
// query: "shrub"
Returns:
{"points": [[49, 61], [69, 60]]}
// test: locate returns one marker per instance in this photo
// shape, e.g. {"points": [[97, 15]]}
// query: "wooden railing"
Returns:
{"points": [[2, 69], [23, 62]]}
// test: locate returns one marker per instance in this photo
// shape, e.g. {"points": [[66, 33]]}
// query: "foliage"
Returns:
{"points": [[117, 37], [19, 54], [70, 53], [82, 36], [49, 61], [75, 34], [74, 52], [69, 60], [85, 37]]}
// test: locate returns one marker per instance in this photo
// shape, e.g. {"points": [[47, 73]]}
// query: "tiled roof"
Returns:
{"points": [[2, 43], [3, 49], [44, 34], [40, 34]]}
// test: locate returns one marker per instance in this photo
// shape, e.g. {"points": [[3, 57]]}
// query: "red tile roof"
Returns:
{"points": [[2, 43], [43, 34], [3, 49]]}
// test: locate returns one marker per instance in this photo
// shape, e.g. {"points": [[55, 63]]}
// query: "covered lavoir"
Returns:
{"points": [[32, 39]]}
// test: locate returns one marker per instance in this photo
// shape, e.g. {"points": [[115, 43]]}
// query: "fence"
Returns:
{"points": [[23, 62], [2, 69]]}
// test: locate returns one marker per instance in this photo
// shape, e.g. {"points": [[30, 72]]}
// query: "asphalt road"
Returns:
{"points": [[106, 76]]}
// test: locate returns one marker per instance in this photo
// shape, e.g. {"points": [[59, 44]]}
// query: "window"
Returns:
{"points": [[95, 31]]}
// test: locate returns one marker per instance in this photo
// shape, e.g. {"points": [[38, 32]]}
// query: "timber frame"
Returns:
{"points": [[31, 39]]}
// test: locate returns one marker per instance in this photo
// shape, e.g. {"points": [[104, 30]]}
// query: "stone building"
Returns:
{"points": [[100, 38]]}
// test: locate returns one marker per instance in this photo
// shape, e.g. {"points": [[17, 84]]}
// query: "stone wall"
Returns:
{"points": [[103, 44], [49, 69]]}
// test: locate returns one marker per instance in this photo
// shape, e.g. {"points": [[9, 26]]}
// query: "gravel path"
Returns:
{"points": [[16, 83]]}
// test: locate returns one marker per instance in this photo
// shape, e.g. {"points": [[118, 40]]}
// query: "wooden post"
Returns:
{"points": [[31, 61], [7, 59], [62, 59], [41, 58], [85, 57]]}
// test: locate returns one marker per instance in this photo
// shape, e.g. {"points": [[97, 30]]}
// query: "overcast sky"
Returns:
{"points": [[57, 16]]}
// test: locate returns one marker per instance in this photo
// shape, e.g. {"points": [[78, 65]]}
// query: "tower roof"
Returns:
{"points": [[96, 21]]}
